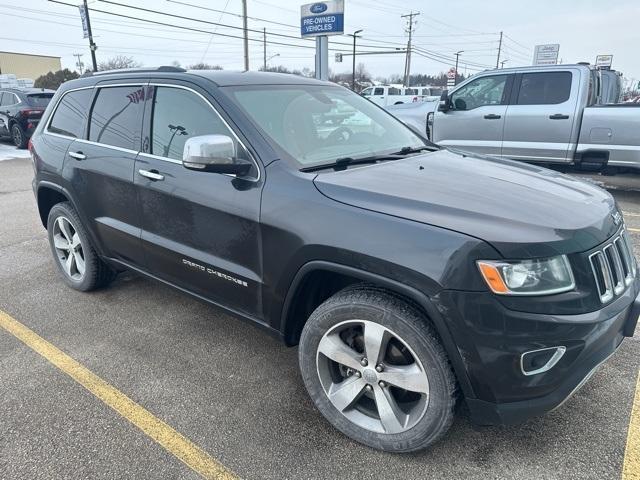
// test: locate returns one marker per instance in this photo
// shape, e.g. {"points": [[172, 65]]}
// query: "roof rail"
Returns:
{"points": [[163, 68]]}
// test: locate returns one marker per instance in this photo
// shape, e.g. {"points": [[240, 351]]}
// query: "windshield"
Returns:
{"points": [[317, 124], [39, 99]]}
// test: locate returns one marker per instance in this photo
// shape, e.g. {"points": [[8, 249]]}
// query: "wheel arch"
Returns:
{"points": [[307, 291]]}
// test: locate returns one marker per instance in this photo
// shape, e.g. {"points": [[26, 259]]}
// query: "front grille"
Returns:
{"points": [[614, 267]]}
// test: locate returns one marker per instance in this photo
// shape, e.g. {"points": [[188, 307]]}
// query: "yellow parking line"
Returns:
{"points": [[631, 465], [175, 443]]}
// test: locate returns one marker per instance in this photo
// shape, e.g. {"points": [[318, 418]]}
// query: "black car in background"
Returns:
{"points": [[20, 112]]}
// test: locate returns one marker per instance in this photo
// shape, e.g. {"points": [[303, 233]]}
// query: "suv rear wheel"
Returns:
{"points": [[376, 370], [18, 136], [75, 257]]}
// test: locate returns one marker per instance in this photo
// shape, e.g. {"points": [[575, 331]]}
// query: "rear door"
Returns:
{"points": [[200, 230], [541, 116], [100, 169], [475, 121], [7, 99]]}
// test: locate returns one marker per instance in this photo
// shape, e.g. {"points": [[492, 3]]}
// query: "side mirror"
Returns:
{"points": [[215, 154], [445, 102]]}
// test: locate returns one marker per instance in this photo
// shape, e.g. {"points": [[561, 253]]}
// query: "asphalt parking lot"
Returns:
{"points": [[234, 391]]}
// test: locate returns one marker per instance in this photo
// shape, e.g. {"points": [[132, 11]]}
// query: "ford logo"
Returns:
{"points": [[318, 7]]}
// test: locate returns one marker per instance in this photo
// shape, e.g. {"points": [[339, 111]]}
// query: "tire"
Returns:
{"points": [[332, 325], [18, 136], [85, 270]]}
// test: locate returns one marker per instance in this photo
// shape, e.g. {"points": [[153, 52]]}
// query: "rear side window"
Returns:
{"points": [[116, 116], [8, 98], [394, 91], [178, 115], [39, 99], [378, 91], [545, 88], [68, 119]]}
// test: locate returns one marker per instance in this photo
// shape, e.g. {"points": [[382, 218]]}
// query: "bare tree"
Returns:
{"points": [[119, 62], [204, 66]]}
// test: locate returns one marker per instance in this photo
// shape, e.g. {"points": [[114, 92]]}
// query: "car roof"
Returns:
{"points": [[27, 91], [221, 78]]}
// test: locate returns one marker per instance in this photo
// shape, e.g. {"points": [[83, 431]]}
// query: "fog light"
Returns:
{"points": [[540, 361]]}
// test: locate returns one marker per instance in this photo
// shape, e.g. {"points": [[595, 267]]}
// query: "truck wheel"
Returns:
{"points": [[18, 136], [75, 257], [376, 370]]}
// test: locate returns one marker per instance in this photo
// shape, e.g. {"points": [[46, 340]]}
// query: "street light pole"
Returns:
{"points": [[353, 74], [455, 79], [503, 62]]}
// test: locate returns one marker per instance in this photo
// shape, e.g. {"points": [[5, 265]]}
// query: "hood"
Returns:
{"points": [[523, 211]]}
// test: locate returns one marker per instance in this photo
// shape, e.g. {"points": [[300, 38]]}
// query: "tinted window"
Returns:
{"points": [[394, 91], [116, 116], [411, 91], [378, 91], [544, 88], [39, 99], [68, 119], [480, 92], [178, 115]]}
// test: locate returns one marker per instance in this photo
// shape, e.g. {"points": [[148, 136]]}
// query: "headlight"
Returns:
{"points": [[528, 277]]}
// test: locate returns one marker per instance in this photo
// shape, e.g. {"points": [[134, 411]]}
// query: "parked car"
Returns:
{"points": [[20, 112], [411, 277], [541, 114], [384, 95]]}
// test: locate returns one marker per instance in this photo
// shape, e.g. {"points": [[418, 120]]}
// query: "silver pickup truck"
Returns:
{"points": [[542, 114]]}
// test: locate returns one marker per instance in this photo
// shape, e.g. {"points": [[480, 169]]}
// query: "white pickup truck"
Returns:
{"points": [[542, 114]]}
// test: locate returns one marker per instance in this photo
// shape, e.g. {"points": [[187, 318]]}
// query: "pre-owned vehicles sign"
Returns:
{"points": [[322, 18]]}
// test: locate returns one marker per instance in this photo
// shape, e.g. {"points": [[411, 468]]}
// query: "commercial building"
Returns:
{"points": [[25, 65]]}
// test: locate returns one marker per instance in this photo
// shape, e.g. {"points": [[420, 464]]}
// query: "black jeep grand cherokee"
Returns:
{"points": [[411, 276]]}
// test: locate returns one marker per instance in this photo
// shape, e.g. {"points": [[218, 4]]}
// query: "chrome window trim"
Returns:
{"points": [[226, 124], [139, 152]]}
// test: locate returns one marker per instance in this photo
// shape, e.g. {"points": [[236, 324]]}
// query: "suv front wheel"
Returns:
{"points": [[375, 368], [77, 261]]}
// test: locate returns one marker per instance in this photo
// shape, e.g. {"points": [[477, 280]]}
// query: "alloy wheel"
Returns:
{"points": [[17, 136], [68, 247], [372, 376]]}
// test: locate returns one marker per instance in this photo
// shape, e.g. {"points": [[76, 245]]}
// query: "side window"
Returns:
{"points": [[378, 91], [411, 91], [178, 115], [367, 91], [394, 91], [8, 98], [545, 88], [1, 98], [480, 92], [70, 114], [116, 116]]}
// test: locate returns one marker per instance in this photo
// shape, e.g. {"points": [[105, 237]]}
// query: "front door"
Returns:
{"points": [[541, 118], [100, 170], [200, 230], [475, 121]]}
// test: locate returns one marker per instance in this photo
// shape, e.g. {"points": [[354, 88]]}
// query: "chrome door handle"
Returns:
{"points": [[77, 155], [150, 174]]}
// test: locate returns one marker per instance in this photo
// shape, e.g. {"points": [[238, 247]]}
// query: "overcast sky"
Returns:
{"points": [[583, 28]]}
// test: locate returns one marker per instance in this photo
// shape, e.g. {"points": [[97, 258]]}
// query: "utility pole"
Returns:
{"points": [[407, 62], [455, 79], [246, 34], [92, 45], [353, 74], [499, 51], [264, 48], [79, 63]]}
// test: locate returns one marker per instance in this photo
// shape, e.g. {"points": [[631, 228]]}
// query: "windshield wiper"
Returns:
{"points": [[343, 163], [408, 150]]}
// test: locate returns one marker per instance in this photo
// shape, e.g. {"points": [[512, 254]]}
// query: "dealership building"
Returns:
{"points": [[25, 65]]}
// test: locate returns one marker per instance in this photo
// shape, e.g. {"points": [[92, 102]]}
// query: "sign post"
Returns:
{"points": [[546, 54], [319, 20], [604, 61]]}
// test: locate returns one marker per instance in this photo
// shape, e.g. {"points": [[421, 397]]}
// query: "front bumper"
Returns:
{"points": [[491, 340]]}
